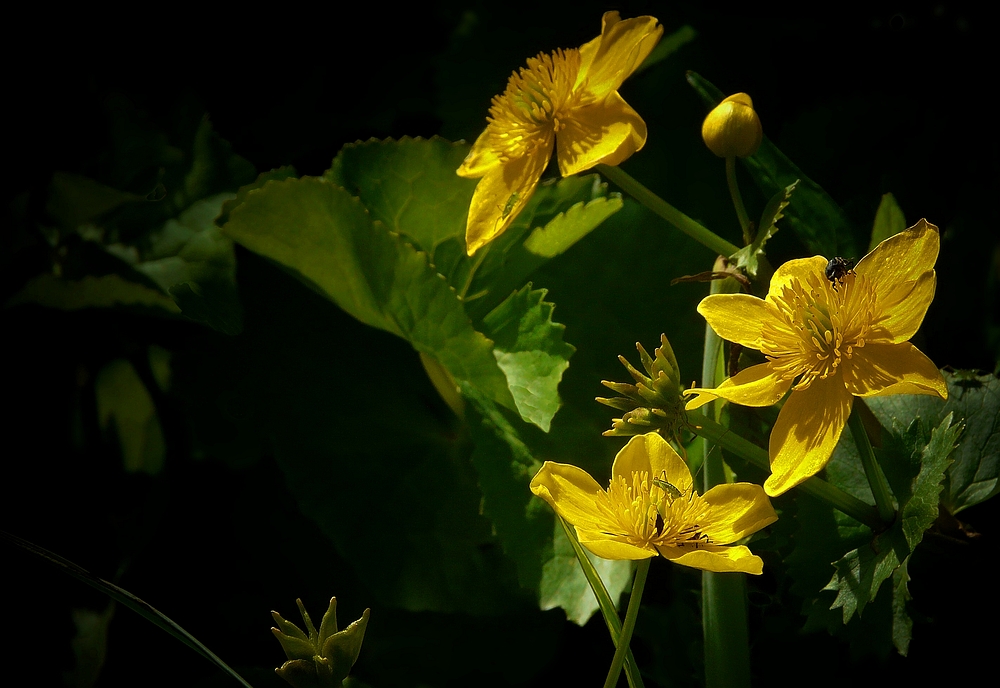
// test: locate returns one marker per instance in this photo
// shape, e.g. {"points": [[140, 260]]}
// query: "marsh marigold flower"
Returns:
{"points": [[568, 100], [651, 507], [828, 339]]}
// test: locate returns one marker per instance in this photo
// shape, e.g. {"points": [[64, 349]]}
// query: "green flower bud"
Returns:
{"points": [[319, 659], [655, 402], [733, 129]]}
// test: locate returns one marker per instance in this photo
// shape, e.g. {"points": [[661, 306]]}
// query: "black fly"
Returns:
{"points": [[837, 268]]}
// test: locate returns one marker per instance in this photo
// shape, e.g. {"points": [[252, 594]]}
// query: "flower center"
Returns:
{"points": [[821, 325], [526, 115], [647, 513]]}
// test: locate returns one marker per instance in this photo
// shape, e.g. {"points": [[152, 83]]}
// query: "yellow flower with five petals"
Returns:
{"points": [[828, 341], [568, 100], [651, 507]]}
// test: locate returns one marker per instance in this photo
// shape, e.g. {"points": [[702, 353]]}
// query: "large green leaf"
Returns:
{"points": [[915, 465], [326, 237], [974, 401], [410, 186], [530, 351], [815, 217]]}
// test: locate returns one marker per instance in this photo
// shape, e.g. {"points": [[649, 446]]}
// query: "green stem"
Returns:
{"points": [[723, 595], [815, 487], [604, 602], [876, 478], [734, 191], [706, 237], [478, 260], [634, 601]]}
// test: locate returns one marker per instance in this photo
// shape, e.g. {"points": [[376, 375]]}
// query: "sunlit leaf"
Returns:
{"points": [[530, 351]]}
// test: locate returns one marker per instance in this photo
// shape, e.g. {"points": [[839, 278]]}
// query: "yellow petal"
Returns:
{"points": [[571, 492], [884, 369], [754, 386], [715, 558], [905, 306], [735, 511], [606, 132], [480, 160], [736, 317], [607, 547], [799, 269], [503, 190], [901, 258], [653, 454], [622, 47], [806, 432]]}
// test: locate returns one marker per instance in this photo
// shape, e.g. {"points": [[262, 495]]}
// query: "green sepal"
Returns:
{"points": [[889, 221]]}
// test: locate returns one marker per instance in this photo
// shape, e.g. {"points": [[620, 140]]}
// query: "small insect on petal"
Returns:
{"points": [[668, 487]]}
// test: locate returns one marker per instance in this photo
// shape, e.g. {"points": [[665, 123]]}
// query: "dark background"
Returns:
{"points": [[865, 101]]}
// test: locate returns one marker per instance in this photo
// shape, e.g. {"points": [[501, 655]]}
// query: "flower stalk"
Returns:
{"points": [[723, 596], [734, 191], [693, 229], [876, 478], [635, 599], [814, 487]]}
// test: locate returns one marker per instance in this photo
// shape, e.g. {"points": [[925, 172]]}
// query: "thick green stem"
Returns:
{"points": [[626, 183], [723, 595], [734, 191], [604, 602], [876, 479], [815, 487], [634, 600]]}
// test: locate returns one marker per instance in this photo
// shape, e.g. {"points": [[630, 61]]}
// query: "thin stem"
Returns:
{"points": [[815, 487], [604, 602], [723, 595], [734, 191], [876, 479], [693, 229], [634, 601], [480, 255]]}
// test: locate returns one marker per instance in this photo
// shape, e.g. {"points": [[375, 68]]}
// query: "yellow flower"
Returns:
{"points": [[829, 339], [569, 98], [651, 507]]}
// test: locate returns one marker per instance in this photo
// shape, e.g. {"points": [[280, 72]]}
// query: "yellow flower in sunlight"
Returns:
{"points": [[651, 507], [829, 338], [568, 100]]}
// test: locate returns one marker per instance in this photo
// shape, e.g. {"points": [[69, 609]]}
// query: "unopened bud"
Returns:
{"points": [[733, 129]]}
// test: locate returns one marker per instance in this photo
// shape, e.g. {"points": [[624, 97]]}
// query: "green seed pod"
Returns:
{"points": [[733, 129], [318, 659]]}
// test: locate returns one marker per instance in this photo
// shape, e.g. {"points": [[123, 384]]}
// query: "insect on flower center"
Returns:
{"points": [[532, 107], [655, 512], [821, 323]]}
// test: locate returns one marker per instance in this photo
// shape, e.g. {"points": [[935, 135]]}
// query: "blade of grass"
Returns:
{"points": [[144, 609]]}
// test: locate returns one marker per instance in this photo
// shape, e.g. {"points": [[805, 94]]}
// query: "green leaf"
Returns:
{"points": [[410, 186], [526, 525], [75, 199], [124, 404], [530, 351], [105, 291], [915, 466], [190, 259], [974, 401], [889, 221], [902, 624], [326, 237], [667, 46], [560, 213], [815, 217], [749, 257]]}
